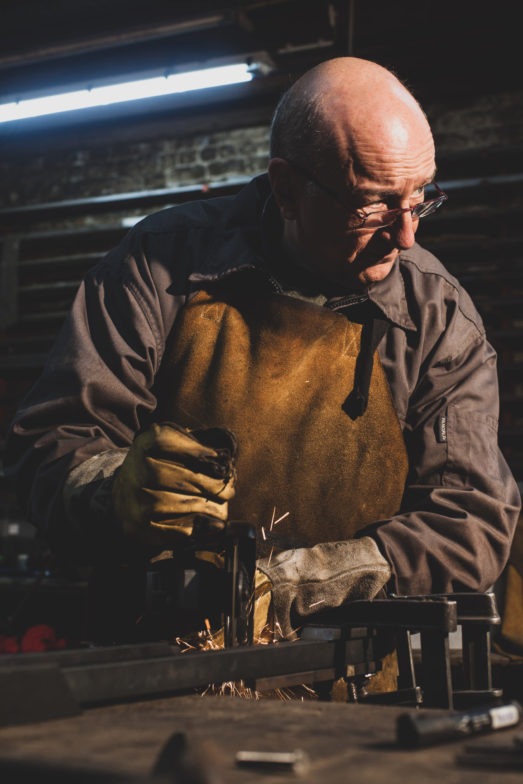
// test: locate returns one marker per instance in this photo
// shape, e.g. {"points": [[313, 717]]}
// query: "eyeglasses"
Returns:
{"points": [[379, 218]]}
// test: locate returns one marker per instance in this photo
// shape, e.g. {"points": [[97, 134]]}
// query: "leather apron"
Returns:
{"points": [[276, 370]]}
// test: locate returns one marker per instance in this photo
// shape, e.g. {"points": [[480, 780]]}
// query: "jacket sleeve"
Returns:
{"points": [[461, 503], [96, 387]]}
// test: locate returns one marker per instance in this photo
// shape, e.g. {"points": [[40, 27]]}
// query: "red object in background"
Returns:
{"points": [[41, 638], [8, 644], [36, 638]]}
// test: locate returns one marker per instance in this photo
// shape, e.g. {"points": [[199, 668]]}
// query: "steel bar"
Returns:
{"points": [[401, 613], [77, 657], [360, 635], [111, 682], [471, 606]]}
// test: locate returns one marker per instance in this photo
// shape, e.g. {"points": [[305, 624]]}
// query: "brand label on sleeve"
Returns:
{"points": [[441, 429]]}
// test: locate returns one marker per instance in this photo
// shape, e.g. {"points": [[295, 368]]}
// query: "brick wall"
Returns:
{"points": [[489, 120], [142, 165]]}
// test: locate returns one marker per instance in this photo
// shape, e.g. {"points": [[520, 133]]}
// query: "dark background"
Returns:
{"points": [[71, 185]]}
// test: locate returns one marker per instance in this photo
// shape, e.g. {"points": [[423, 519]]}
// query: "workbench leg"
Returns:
{"points": [[476, 657], [436, 673], [407, 674]]}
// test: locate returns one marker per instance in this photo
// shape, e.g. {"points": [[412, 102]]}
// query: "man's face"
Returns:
{"points": [[321, 233]]}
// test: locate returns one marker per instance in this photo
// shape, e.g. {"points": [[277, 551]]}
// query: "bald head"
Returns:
{"points": [[351, 114], [349, 139]]}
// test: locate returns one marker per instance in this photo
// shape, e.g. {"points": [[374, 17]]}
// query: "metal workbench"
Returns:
{"points": [[345, 742]]}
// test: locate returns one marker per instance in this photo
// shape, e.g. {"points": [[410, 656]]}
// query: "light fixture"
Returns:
{"points": [[105, 95]]}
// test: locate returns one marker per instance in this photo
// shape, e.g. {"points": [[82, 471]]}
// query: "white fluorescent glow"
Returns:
{"points": [[126, 91]]}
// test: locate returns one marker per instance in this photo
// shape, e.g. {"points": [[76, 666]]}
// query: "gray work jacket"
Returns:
{"points": [[461, 503]]}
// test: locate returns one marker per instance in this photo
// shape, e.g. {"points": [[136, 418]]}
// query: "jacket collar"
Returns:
{"points": [[390, 297], [248, 234]]}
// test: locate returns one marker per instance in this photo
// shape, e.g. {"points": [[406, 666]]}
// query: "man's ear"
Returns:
{"points": [[284, 187]]}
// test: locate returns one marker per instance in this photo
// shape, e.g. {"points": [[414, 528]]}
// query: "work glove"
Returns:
{"points": [[309, 579], [175, 483]]}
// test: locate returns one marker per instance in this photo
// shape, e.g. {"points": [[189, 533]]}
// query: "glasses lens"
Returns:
{"points": [[428, 207], [377, 220]]}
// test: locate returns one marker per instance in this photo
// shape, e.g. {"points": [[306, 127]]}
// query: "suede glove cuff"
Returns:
{"points": [[327, 575]]}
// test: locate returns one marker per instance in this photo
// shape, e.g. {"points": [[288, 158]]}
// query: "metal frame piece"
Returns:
{"points": [[476, 613], [435, 617], [350, 649]]}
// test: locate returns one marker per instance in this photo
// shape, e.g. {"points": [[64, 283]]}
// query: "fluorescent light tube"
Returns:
{"points": [[126, 91]]}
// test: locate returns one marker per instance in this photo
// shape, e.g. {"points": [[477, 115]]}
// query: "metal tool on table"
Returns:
{"points": [[296, 761], [417, 730]]}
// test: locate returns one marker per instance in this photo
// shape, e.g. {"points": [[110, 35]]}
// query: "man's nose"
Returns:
{"points": [[403, 229]]}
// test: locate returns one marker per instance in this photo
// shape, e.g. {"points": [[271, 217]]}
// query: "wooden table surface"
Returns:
{"points": [[345, 742]]}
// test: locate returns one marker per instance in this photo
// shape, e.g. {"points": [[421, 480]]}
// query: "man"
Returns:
{"points": [[288, 356]]}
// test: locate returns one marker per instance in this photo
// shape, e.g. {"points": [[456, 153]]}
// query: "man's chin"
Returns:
{"points": [[376, 272]]}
